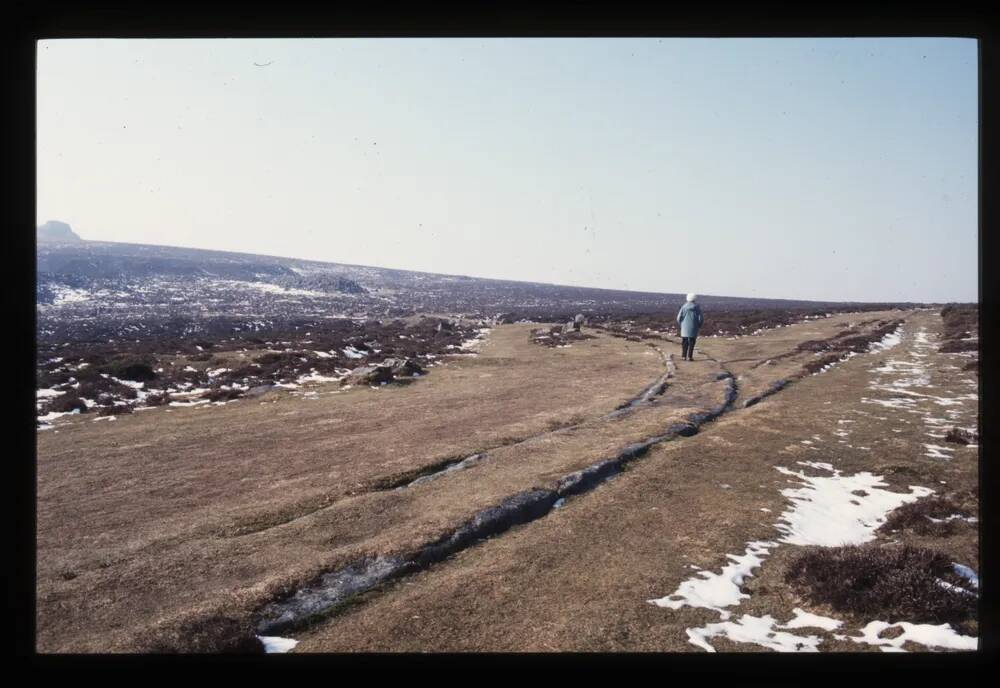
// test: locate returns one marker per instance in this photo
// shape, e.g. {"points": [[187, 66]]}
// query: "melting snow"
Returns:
{"points": [[826, 513], [277, 644], [889, 341], [48, 417], [65, 295], [718, 590], [804, 619], [754, 629], [924, 634], [475, 341], [937, 452], [316, 377]]}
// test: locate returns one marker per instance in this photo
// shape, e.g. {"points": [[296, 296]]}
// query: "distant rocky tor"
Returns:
{"points": [[58, 232]]}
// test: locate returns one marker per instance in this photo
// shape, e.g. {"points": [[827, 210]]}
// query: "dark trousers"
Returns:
{"points": [[687, 347]]}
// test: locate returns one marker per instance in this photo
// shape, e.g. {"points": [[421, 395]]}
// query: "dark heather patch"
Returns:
{"points": [[884, 582], [957, 346], [157, 399], [67, 403], [287, 346], [961, 324], [916, 517], [960, 436], [220, 394], [217, 634], [114, 410], [128, 367]]}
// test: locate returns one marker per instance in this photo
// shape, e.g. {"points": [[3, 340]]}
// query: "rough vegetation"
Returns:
{"points": [[885, 582], [962, 436], [88, 374], [961, 328], [932, 516]]}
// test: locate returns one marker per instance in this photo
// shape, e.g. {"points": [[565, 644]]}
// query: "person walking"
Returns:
{"points": [[689, 317]]}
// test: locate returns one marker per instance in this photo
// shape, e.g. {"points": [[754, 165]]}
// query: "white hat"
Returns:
{"points": [[692, 297]]}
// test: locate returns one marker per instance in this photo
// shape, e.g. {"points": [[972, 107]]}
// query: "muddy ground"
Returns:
{"points": [[180, 529]]}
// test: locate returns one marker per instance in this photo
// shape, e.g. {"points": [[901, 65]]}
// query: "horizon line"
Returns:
{"points": [[496, 279]]}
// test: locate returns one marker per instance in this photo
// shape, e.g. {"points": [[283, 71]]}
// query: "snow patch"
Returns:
{"points": [[754, 629], [276, 644], [718, 590], [825, 511], [804, 619], [923, 634]]}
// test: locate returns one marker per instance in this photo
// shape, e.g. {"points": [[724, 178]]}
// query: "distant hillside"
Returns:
{"points": [[57, 232], [83, 284]]}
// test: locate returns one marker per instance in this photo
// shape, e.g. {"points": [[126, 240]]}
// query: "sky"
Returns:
{"points": [[826, 169]]}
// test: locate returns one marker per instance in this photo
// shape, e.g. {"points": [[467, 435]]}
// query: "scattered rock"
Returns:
{"points": [[368, 375]]}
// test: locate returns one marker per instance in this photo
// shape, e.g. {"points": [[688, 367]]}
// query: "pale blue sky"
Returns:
{"points": [[839, 169]]}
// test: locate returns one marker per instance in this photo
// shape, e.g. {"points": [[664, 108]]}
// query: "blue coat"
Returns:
{"points": [[689, 317]]}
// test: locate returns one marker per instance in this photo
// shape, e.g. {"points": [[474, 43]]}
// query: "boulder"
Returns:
{"points": [[368, 375]]}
